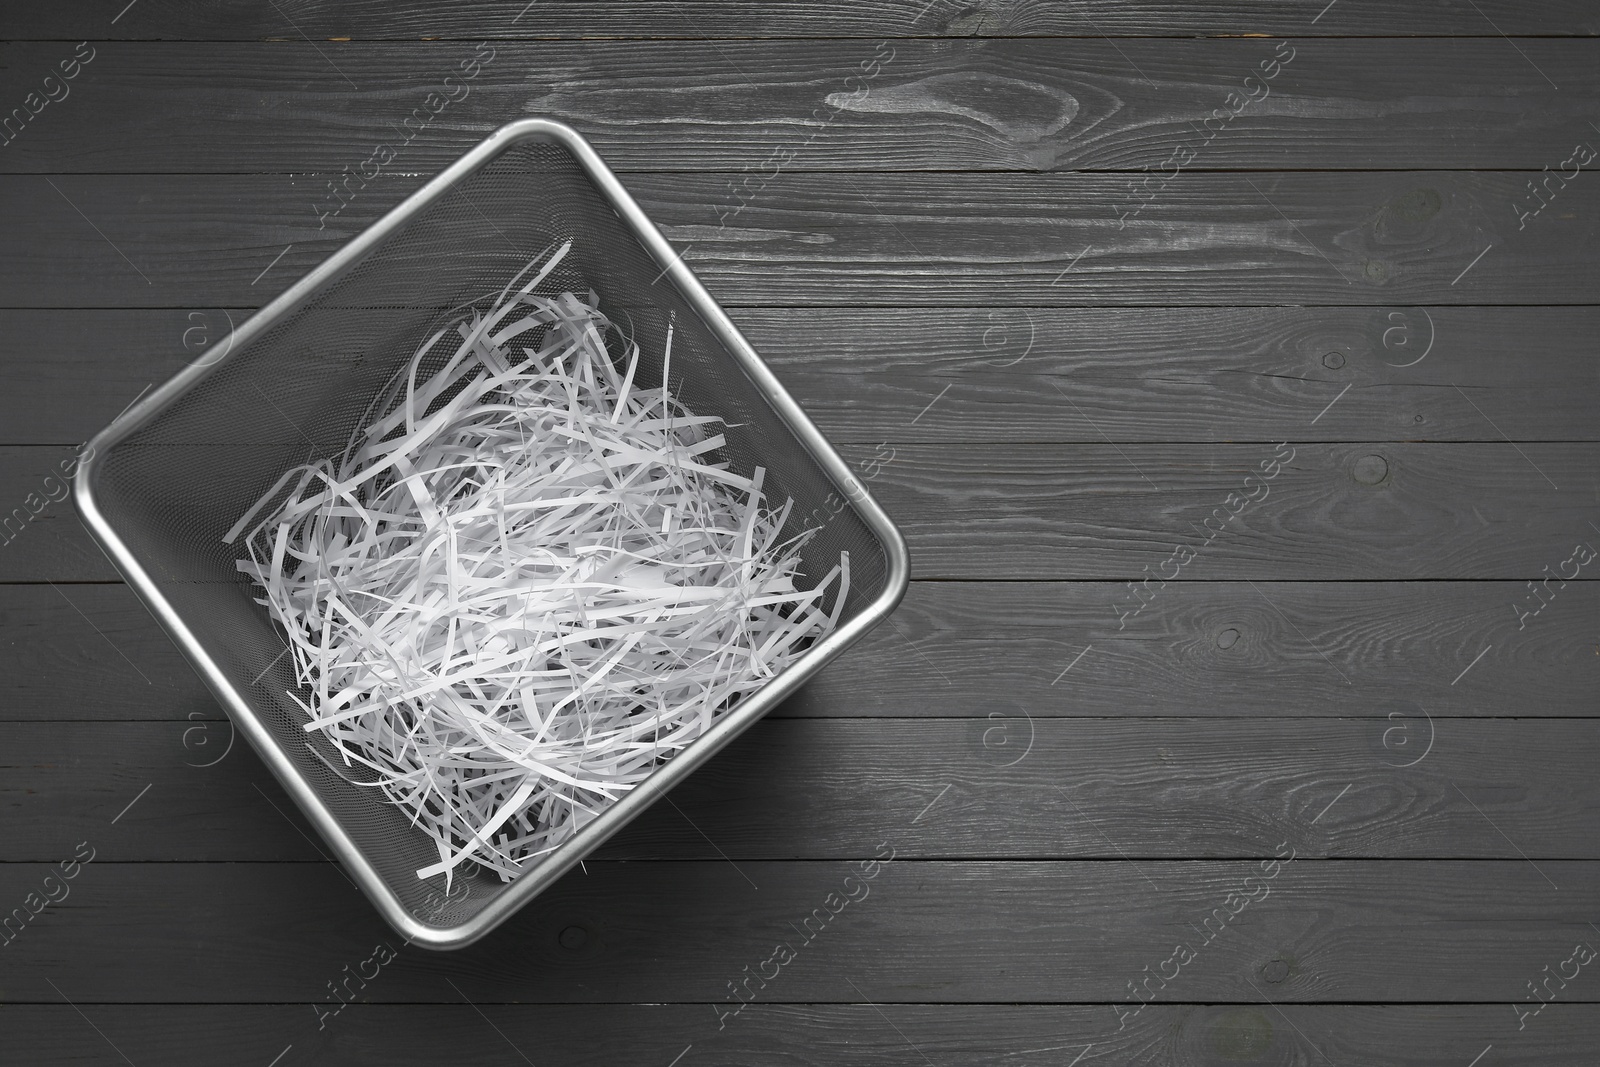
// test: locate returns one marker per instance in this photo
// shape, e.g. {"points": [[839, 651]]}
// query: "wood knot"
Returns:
{"points": [[1371, 470], [1020, 111]]}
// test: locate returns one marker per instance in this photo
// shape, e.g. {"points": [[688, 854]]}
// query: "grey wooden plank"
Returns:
{"points": [[1342, 512], [1330, 512], [894, 1035], [1220, 649], [40, 533], [1183, 374], [866, 374], [905, 105], [1037, 932], [69, 373], [332, 21], [1019, 787], [986, 240], [1205, 649]]}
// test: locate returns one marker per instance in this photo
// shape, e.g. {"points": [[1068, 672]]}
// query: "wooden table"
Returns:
{"points": [[1229, 367]]}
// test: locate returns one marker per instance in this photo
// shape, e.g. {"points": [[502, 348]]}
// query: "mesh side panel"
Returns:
{"points": [[174, 487]]}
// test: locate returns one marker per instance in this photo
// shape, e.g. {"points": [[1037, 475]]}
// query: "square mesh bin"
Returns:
{"points": [[166, 481]]}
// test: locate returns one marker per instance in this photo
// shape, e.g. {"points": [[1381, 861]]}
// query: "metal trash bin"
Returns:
{"points": [[165, 481]]}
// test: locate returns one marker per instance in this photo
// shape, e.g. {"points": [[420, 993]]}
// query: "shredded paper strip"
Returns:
{"points": [[527, 582]]}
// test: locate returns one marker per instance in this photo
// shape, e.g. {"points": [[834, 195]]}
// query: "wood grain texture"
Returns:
{"points": [[1182, 374], [866, 374], [330, 21], [1334, 512], [913, 240], [1392, 512], [792, 1035], [1210, 649], [904, 105], [1034, 932], [1221, 649], [1017, 788]]}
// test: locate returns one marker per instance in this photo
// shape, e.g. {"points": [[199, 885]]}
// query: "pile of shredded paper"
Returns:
{"points": [[527, 582]]}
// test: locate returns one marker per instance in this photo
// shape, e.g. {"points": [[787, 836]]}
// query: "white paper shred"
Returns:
{"points": [[527, 582]]}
